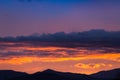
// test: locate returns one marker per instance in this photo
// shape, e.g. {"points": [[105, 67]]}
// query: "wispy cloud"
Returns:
{"points": [[92, 65]]}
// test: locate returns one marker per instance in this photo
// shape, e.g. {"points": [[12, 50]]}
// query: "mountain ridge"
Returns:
{"points": [[108, 74], [7, 74], [50, 74]]}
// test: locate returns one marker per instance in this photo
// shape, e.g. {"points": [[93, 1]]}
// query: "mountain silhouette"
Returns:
{"points": [[8, 74], [111, 74], [56, 75]]}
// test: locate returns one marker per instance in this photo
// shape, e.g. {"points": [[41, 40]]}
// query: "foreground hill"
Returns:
{"points": [[111, 74], [55, 75], [8, 74]]}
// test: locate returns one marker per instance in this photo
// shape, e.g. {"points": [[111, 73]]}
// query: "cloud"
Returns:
{"points": [[16, 61], [16, 54], [92, 65], [54, 57], [17, 49], [98, 38], [58, 47]]}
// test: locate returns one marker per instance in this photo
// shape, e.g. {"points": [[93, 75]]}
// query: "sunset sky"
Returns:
{"points": [[24, 17], [95, 49], [31, 58]]}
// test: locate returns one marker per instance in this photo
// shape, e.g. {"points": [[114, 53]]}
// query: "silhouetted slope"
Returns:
{"points": [[55, 75], [111, 74], [63, 75], [8, 74]]}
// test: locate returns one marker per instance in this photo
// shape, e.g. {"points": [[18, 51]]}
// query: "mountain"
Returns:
{"points": [[8, 74], [111, 74], [56, 75]]}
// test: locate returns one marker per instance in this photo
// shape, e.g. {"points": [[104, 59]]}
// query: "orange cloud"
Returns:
{"points": [[28, 54], [16, 61], [29, 59], [92, 65]]}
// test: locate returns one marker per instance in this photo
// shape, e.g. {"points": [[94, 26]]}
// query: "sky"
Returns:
{"points": [[83, 35], [86, 52], [30, 58], [25, 17]]}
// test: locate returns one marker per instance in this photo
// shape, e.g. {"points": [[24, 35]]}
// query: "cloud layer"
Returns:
{"points": [[97, 38], [16, 53]]}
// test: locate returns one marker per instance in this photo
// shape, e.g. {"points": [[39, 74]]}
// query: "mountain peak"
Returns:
{"points": [[49, 71]]}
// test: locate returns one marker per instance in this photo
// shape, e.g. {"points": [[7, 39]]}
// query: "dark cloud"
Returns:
{"points": [[96, 38]]}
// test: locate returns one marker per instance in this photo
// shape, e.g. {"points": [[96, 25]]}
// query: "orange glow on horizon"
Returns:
{"points": [[29, 59], [78, 60]]}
